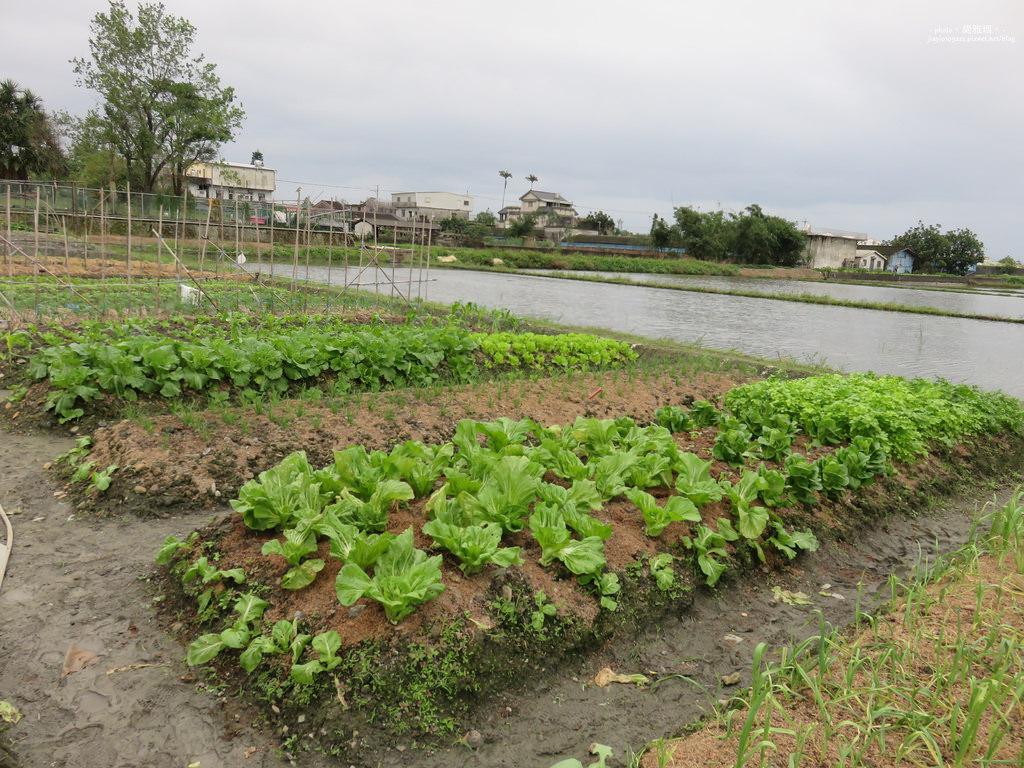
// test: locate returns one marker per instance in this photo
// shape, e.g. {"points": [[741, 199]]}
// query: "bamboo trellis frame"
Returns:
{"points": [[87, 232]]}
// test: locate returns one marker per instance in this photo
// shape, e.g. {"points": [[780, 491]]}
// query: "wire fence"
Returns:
{"points": [[66, 251]]}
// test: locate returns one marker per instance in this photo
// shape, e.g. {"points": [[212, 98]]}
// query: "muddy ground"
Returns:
{"points": [[87, 659]]}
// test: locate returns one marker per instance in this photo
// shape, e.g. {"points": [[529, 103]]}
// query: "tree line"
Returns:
{"points": [[748, 237]]}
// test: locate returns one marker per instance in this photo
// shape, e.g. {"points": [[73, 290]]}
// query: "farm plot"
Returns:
{"points": [[437, 545], [403, 586]]}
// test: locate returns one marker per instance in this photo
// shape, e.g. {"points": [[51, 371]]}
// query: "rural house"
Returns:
{"points": [[551, 208], [898, 260], [232, 181], [424, 206], [370, 217], [832, 250], [869, 257]]}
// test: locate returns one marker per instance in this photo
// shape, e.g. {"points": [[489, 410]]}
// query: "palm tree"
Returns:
{"points": [[531, 178], [28, 141], [506, 176]]}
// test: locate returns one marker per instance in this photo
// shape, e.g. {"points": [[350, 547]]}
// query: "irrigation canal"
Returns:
{"points": [[986, 353]]}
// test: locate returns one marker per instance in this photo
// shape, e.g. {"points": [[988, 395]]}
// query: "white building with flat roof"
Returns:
{"points": [[422, 206], [232, 181]]}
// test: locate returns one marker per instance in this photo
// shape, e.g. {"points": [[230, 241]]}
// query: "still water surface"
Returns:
{"points": [[1004, 303], [986, 353]]}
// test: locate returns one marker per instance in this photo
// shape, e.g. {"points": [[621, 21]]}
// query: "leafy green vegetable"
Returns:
{"points": [[694, 480], [732, 446], [284, 637], [835, 477], [350, 545], [249, 609], [708, 546], [676, 509], [704, 414], [170, 546], [790, 542], [403, 577], [326, 644], [372, 514], [674, 419], [474, 545], [549, 528], [661, 569], [298, 542], [902, 414], [775, 444], [802, 479], [505, 493], [543, 610], [279, 495]]}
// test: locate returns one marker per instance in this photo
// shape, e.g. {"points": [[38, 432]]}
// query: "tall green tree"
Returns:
{"points": [[661, 233], [750, 237], [954, 251], [599, 220], [523, 226], [758, 238], [162, 108], [705, 236], [29, 141]]}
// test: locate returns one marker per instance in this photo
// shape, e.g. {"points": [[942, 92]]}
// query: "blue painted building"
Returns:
{"points": [[898, 261]]}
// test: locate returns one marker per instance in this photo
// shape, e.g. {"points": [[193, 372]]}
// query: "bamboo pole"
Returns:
{"points": [[206, 234], [8, 253], [295, 258], [35, 255], [412, 259], [103, 247], [273, 247], [159, 271], [238, 283], [67, 246], [180, 242], [430, 234], [346, 221], [128, 241], [309, 239], [259, 262], [330, 255]]}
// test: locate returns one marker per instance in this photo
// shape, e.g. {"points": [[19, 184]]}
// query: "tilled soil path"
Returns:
{"points": [[77, 584]]}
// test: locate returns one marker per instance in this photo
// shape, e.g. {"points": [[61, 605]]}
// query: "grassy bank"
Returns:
{"points": [[933, 679]]}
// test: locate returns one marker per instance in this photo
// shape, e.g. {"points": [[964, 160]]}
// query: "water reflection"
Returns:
{"points": [[1005, 303], [980, 352]]}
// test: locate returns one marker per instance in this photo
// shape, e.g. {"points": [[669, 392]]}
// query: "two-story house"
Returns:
{"points": [[232, 181], [551, 208], [424, 206]]}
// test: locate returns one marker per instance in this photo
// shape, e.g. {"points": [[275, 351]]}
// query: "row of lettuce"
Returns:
{"points": [[488, 484], [275, 355]]}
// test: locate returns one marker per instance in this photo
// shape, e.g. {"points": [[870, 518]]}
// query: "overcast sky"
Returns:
{"points": [[864, 117]]}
